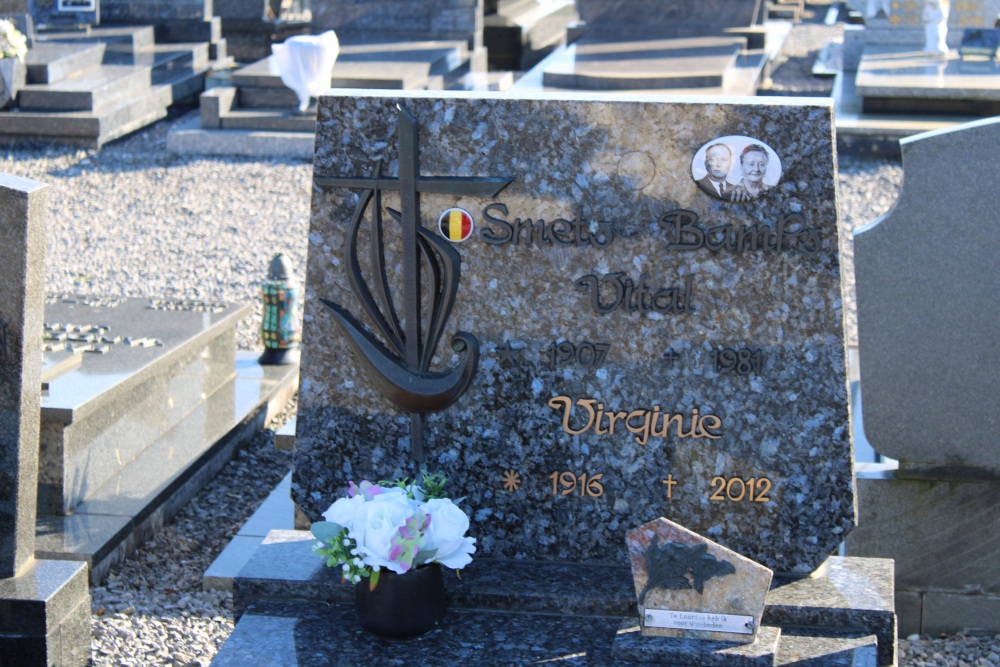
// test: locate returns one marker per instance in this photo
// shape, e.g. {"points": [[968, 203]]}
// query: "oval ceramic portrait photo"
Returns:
{"points": [[736, 168]]}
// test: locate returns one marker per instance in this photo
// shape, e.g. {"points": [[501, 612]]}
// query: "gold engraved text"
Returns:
{"points": [[734, 489], [642, 423], [589, 486]]}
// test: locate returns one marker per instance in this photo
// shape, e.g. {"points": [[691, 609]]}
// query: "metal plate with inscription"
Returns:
{"points": [[644, 349], [689, 620]]}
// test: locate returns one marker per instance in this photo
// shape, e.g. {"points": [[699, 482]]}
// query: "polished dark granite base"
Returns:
{"points": [[851, 600], [310, 634], [45, 616], [134, 503], [630, 645]]}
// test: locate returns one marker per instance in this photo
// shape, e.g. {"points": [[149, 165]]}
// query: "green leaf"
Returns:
{"points": [[326, 531], [373, 580], [425, 556]]}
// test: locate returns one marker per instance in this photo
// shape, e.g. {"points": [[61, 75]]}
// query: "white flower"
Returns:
{"points": [[446, 534], [344, 512], [384, 515]]}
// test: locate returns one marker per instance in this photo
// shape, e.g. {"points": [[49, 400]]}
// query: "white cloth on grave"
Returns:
{"points": [[305, 64]]}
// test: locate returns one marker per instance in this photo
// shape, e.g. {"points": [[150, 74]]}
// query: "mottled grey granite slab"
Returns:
{"points": [[925, 273], [308, 634], [631, 645], [45, 615], [853, 594], [44, 605], [627, 164], [850, 601], [23, 208], [158, 365]]}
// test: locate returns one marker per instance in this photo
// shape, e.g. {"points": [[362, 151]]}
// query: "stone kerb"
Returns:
{"points": [[22, 255], [927, 280], [609, 293]]}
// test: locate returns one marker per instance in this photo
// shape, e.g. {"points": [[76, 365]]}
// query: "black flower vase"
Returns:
{"points": [[402, 605]]}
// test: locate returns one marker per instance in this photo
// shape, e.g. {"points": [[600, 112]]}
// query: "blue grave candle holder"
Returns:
{"points": [[281, 328]]}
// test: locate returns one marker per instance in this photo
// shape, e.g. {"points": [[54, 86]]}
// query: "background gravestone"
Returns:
{"points": [[667, 19], [749, 338], [427, 19], [21, 311], [44, 605], [927, 286], [904, 24]]}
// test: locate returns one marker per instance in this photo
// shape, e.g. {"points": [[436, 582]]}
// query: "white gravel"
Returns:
{"points": [[134, 220]]}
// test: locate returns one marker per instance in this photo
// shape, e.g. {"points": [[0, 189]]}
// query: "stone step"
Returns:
{"points": [[86, 128], [646, 64], [124, 74], [292, 632], [847, 595], [163, 57], [51, 62], [522, 32], [86, 91], [93, 129], [135, 38], [141, 497], [99, 418], [283, 120]]}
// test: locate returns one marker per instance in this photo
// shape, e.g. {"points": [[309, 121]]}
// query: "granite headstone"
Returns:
{"points": [[22, 248], [646, 348], [927, 285], [926, 278], [44, 605]]}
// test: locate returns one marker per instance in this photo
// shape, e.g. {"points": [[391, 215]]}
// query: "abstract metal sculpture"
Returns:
{"points": [[399, 367]]}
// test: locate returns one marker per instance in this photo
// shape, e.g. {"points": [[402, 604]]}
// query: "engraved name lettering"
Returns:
{"points": [[497, 230], [643, 424], [620, 292], [789, 233]]}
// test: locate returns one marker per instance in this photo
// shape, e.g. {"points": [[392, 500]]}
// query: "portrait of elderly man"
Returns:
{"points": [[718, 161], [753, 164]]}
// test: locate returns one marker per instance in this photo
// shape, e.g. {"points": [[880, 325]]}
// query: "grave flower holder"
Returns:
{"points": [[402, 605]]}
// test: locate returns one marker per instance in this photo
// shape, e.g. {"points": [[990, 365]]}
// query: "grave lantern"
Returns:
{"points": [[280, 329]]}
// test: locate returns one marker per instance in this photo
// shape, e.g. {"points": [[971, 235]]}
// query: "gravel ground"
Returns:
{"points": [[136, 221]]}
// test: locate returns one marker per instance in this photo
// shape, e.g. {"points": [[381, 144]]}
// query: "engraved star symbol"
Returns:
{"points": [[511, 481], [509, 354]]}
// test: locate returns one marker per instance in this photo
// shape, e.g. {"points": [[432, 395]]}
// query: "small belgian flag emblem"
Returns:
{"points": [[456, 224]]}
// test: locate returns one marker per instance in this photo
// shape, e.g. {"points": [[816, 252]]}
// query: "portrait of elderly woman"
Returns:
{"points": [[753, 165]]}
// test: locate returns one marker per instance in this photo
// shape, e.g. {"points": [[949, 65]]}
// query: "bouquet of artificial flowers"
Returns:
{"points": [[13, 44], [395, 525]]}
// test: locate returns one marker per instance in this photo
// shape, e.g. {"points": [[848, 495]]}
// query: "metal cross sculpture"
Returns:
{"points": [[400, 367]]}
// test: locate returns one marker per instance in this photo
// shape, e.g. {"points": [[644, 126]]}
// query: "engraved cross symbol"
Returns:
{"points": [[402, 374]]}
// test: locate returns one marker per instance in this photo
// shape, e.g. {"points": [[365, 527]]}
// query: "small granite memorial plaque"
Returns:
{"points": [[623, 341], [688, 586]]}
